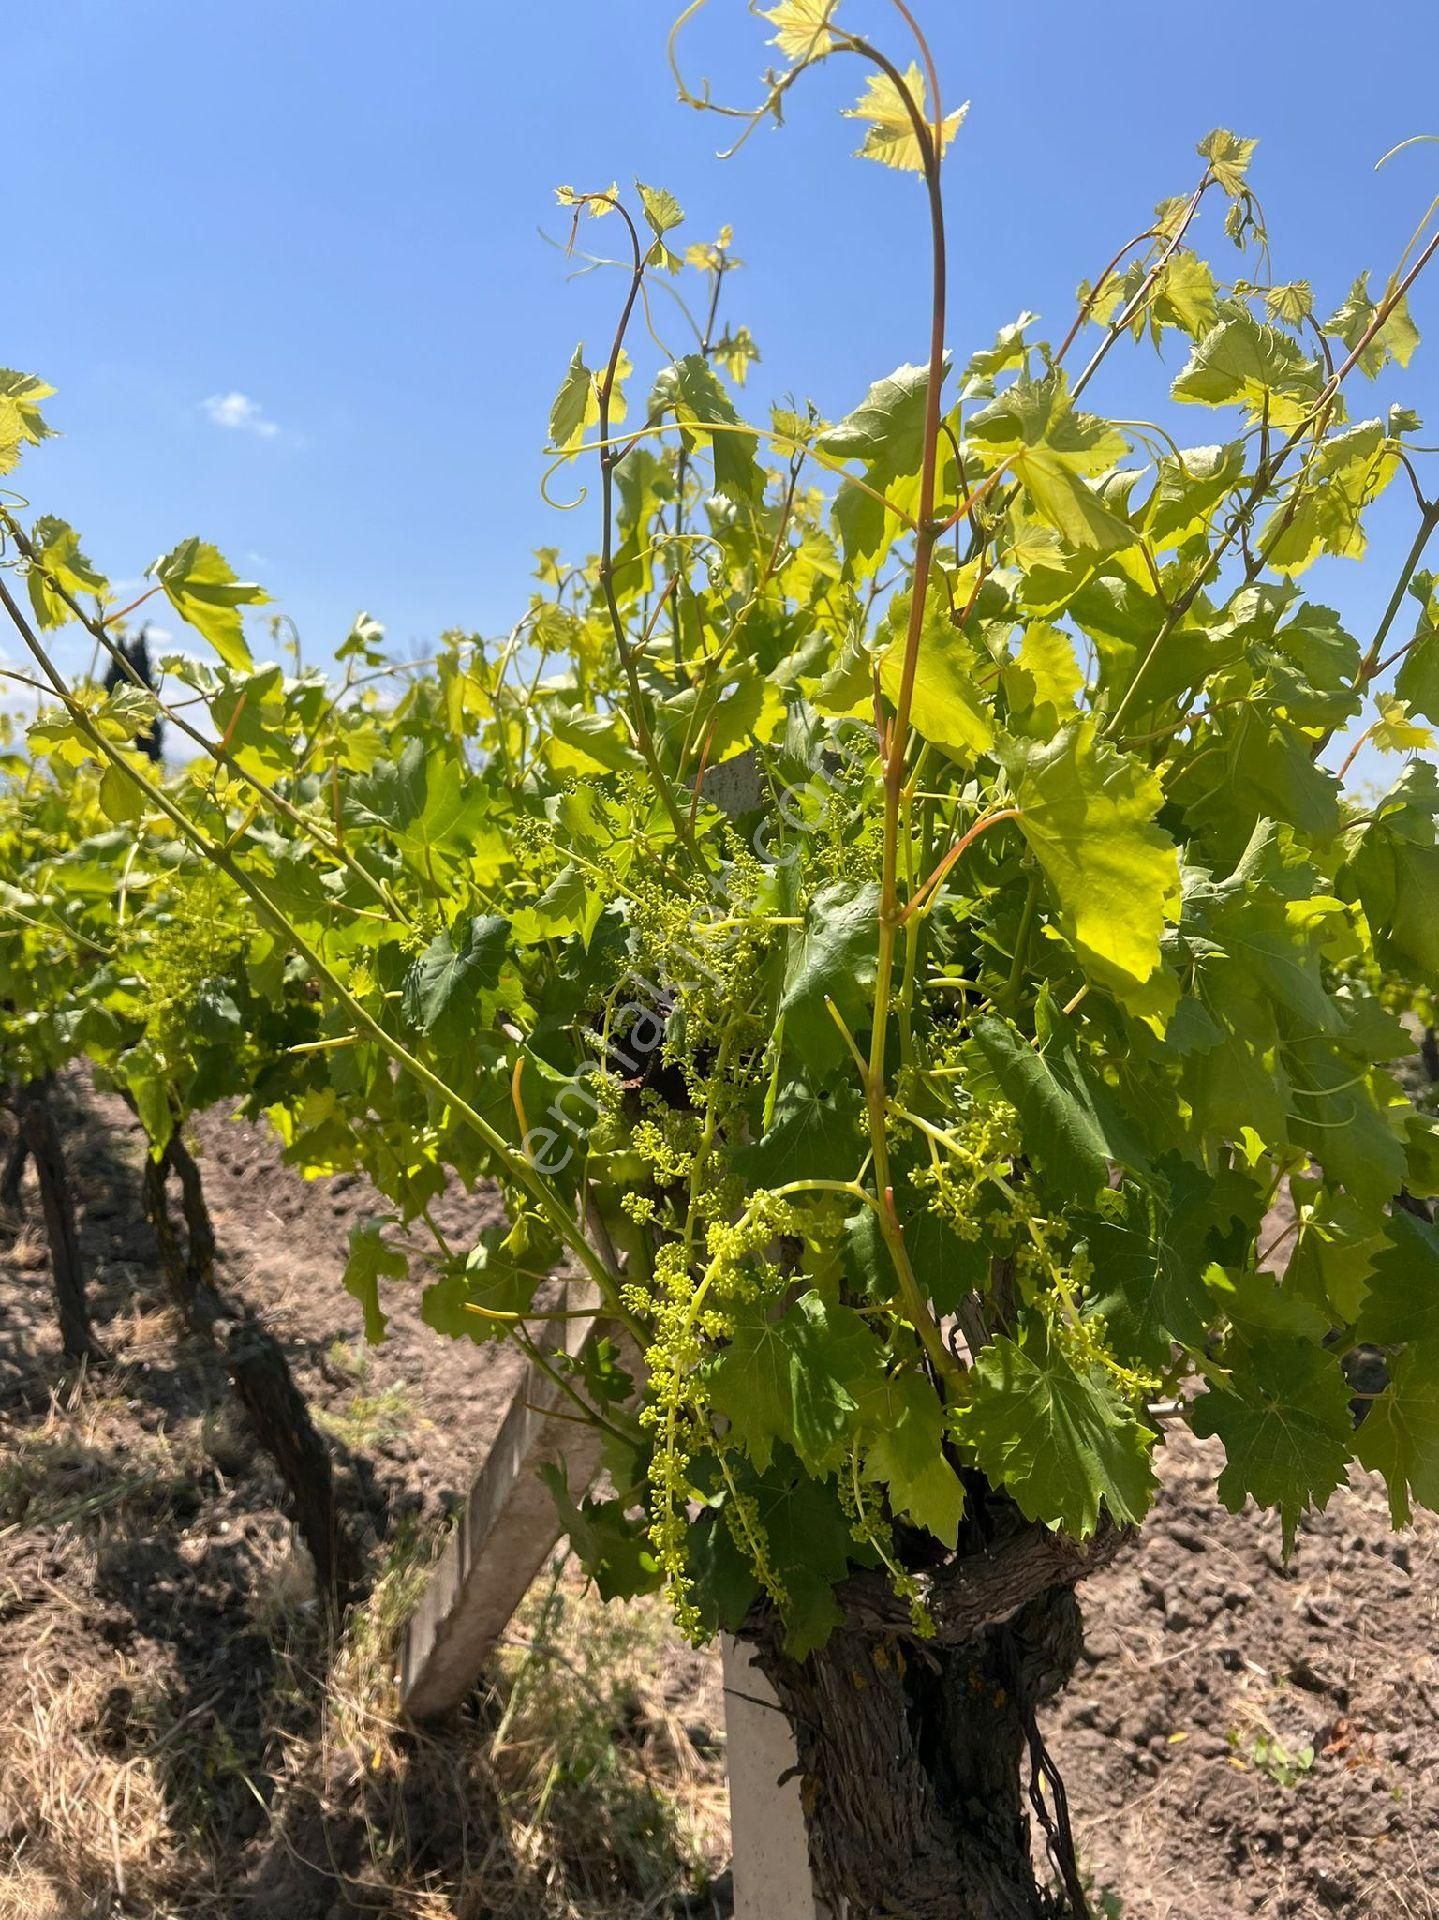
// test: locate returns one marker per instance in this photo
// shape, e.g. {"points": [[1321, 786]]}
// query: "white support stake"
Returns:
{"points": [[772, 1879], [506, 1532]]}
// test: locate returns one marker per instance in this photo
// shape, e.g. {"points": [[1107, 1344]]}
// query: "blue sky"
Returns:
{"points": [[334, 210]]}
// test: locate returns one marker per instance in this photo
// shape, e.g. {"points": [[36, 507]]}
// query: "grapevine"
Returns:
{"points": [[890, 917]]}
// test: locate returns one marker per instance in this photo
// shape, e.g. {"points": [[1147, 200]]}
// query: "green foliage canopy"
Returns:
{"points": [[884, 917]]}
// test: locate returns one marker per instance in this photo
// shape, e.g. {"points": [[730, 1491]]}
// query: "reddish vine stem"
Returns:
{"points": [[1087, 305], [937, 879], [894, 739], [1132, 306], [608, 461]]}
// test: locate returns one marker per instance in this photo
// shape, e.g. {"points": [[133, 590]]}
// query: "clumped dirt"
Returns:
{"points": [[179, 1732], [283, 1241], [179, 1737], [1250, 1737]]}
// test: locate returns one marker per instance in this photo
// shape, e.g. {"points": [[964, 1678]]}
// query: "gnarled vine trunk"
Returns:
{"points": [[259, 1372], [12, 1174], [921, 1759], [39, 1139]]}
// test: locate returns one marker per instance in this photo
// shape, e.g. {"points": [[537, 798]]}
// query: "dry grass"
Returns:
{"points": [[587, 1784], [609, 1748], [84, 1465], [88, 1822], [85, 1818], [144, 1775]]}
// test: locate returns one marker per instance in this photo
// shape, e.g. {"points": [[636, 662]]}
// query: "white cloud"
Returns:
{"points": [[239, 410]]}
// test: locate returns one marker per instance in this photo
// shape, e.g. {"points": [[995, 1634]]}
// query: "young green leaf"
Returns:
{"points": [[1229, 157], [572, 403], [889, 113], [59, 563], [689, 390], [1088, 812], [21, 423], [203, 590], [801, 27]]}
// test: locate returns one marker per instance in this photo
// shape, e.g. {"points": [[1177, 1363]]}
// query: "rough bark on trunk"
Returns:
{"points": [[189, 1270], [262, 1379], [914, 1753], [13, 1175], [259, 1373], [41, 1141]]}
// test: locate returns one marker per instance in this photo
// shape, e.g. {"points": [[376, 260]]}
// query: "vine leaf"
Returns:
{"points": [[946, 707], [442, 986], [1184, 295], [593, 740], [662, 213], [1394, 867], [906, 1455], [886, 433], [202, 588], [891, 137], [144, 1079], [1240, 361], [1325, 513], [1403, 1299], [833, 956], [1417, 680], [1088, 812], [1396, 731], [1399, 1436], [1149, 1264], [571, 403], [500, 1275], [1395, 340], [1187, 490], [1229, 155], [370, 1261], [615, 1551], [1052, 447], [811, 1546], [120, 798], [1061, 1441], [1042, 680], [796, 1380], [691, 392], [802, 28], [815, 1136], [21, 424], [60, 557], [1060, 1125], [1284, 1421]]}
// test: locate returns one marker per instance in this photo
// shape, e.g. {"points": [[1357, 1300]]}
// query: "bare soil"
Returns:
{"points": [[1250, 1737], [179, 1734], [179, 1737]]}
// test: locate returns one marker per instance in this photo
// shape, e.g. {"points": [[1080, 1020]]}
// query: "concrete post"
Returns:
{"points": [[504, 1536], [771, 1847]]}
